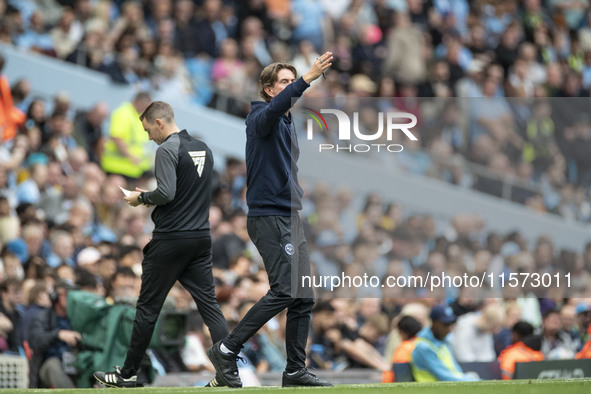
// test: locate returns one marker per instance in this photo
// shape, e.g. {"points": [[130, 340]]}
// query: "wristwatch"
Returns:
{"points": [[140, 199]]}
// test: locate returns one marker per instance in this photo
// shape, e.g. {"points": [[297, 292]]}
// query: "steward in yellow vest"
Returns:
{"points": [[432, 359], [125, 151]]}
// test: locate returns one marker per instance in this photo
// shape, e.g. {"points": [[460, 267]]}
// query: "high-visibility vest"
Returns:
{"points": [[585, 351], [126, 125], [401, 355], [404, 350], [516, 353], [10, 116], [443, 354], [531, 147]]}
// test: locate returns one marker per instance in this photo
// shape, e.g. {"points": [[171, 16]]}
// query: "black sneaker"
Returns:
{"points": [[225, 366], [214, 382], [302, 378], [114, 379]]}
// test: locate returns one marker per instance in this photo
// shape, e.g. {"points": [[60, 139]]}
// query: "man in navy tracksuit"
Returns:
{"points": [[274, 196], [180, 248]]}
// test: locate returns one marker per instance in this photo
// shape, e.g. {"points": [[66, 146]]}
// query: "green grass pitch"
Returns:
{"points": [[485, 387]]}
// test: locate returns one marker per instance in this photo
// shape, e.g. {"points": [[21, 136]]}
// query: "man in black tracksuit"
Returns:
{"points": [[274, 196], [180, 248]]}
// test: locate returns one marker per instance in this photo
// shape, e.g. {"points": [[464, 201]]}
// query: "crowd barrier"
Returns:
{"points": [[14, 372], [483, 370], [554, 369], [547, 369]]}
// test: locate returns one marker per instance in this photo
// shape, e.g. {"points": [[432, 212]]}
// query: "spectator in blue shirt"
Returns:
{"points": [[36, 37]]}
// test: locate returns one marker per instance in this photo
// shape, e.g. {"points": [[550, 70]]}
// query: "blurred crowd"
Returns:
{"points": [[470, 143], [503, 52], [62, 216]]}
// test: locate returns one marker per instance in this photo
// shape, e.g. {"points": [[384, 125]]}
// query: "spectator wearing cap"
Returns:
{"points": [[88, 258], [16, 246], [523, 349], [432, 359]]}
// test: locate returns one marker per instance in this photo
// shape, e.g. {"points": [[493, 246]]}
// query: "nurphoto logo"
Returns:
{"points": [[388, 123]]}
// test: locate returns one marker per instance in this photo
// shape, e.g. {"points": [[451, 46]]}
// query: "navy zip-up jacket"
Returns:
{"points": [[272, 153]]}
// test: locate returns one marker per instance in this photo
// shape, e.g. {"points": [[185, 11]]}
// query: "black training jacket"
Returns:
{"points": [[183, 168]]}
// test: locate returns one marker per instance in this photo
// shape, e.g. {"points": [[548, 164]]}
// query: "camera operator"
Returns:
{"points": [[53, 343]]}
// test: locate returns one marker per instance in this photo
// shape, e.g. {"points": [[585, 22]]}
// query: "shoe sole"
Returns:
{"points": [[283, 384], [111, 384], [306, 385], [214, 358]]}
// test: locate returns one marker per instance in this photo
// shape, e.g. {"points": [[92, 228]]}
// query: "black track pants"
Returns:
{"points": [[166, 261], [280, 241]]}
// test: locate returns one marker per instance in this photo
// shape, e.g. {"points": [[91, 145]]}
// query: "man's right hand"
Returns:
{"points": [[318, 67], [70, 337]]}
